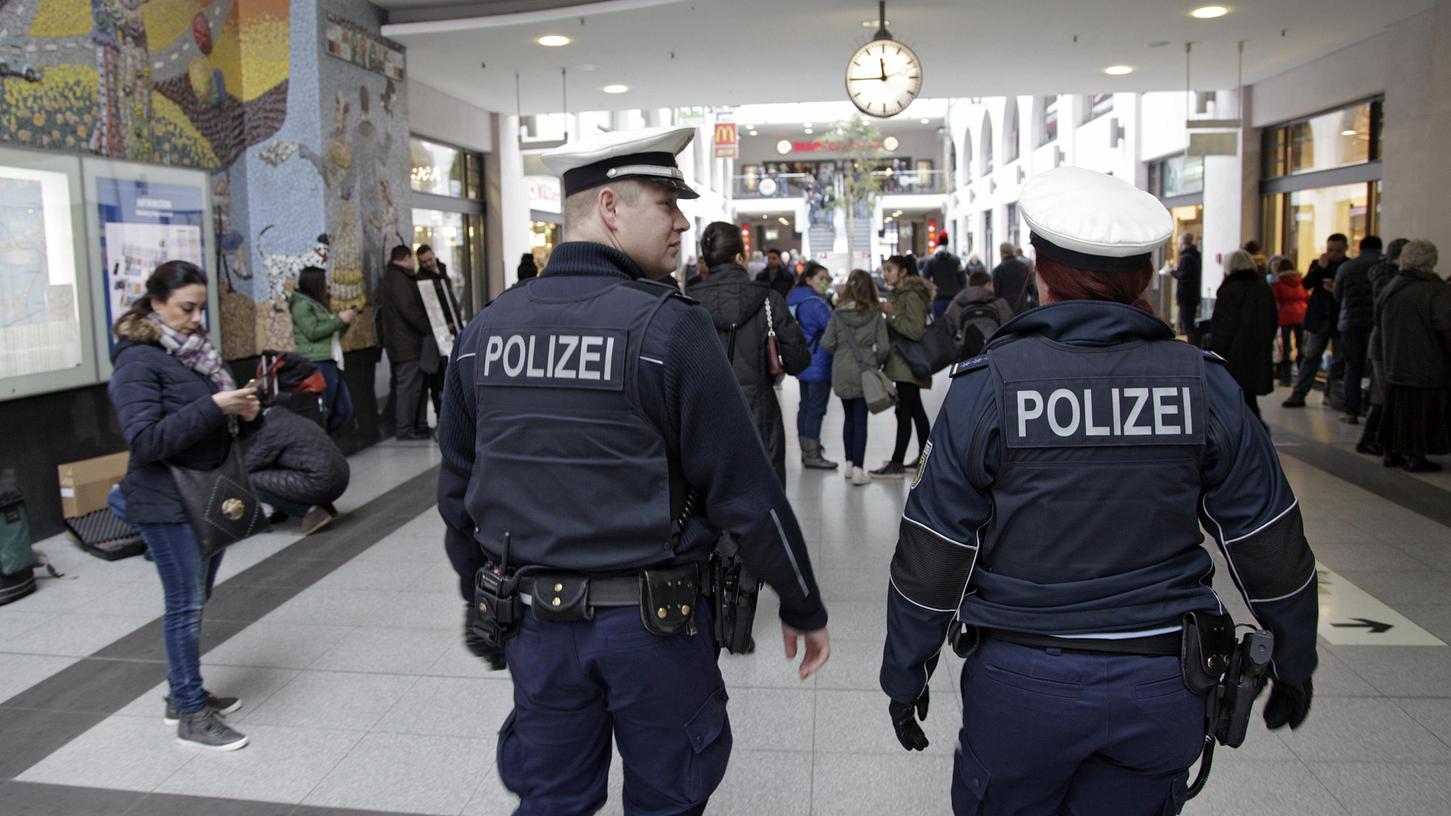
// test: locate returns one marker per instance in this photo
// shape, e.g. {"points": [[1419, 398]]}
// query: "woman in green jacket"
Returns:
{"points": [[314, 327], [908, 304]]}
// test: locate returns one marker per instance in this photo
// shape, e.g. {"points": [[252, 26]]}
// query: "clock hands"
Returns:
{"points": [[883, 63]]}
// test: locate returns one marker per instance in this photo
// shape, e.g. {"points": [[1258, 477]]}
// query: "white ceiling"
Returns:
{"points": [[732, 52]]}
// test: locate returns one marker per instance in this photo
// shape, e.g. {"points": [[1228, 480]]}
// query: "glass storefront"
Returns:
{"points": [[1322, 177], [458, 241], [543, 238], [448, 185], [438, 169]]}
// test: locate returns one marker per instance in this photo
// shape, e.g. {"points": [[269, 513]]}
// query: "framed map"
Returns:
{"points": [[45, 342]]}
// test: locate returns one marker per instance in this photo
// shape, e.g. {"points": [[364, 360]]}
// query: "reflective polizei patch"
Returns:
{"points": [[553, 358], [1093, 412]]}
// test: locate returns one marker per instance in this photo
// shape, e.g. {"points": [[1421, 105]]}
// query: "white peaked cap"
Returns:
{"points": [[1093, 221], [647, 155]]}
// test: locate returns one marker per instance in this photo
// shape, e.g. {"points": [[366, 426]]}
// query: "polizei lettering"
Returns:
{"points": [[554, 358], [1168, 411]]}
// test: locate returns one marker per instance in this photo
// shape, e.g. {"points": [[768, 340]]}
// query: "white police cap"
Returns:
{"points": [[647, 155], [1093, 221]]}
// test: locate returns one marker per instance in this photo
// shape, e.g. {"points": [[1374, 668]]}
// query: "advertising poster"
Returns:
{"points": [[440, 317], [142, 225], [39, 319]]}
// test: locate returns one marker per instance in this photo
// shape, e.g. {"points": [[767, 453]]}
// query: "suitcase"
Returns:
{"points": [[17, 560], [105, 536]]}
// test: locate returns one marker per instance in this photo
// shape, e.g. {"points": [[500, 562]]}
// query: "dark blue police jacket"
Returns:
{"points": [[1063, 488], [579, 410]]}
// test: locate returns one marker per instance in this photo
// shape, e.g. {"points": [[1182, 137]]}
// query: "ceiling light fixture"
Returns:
{"points": [[783, 147], [1349, 132], [926, 121], [753, 133], [1208, 12], [1118, 70], [553, 40], [809, 131], [615, 89], [890, 143], [783, 221]]}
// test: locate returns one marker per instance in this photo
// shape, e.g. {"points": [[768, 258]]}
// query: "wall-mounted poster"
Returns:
{"points": [[39, 312], [145, 224]]}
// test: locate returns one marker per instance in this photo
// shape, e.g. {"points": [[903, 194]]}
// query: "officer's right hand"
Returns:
{"points": [[909, 733], [818, 648], [1289, 704]]}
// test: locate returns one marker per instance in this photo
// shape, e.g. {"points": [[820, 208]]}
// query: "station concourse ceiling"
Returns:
{"points": [[674, 53]]}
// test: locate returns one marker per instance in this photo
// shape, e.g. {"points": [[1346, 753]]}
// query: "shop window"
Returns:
{"points": [[437, 169], [1047, 121], [1096, 105], [1339, 138], [1302, 220], [1176, 176], [448, 213], [1014, 140]]}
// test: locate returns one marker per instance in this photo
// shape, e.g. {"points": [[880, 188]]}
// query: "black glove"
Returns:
{"points": [[909, 733], [1289, 703], [492, 655]]}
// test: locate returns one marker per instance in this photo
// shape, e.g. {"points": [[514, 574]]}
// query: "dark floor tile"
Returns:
{"points": [[34, 799], [167, 804], [31, 735], [146, 643], [91, 686]]}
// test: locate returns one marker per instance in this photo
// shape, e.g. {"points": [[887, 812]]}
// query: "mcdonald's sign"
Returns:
{"points": [[727, 143]]}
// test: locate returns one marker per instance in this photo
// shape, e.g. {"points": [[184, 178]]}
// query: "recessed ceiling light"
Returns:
{"points": [[807, 125], [753, 133], [1118, 70], [553, 40], [875, 23], [615, 89], [890, 143], [926, 121], [1349, 132], [809, 131], [1208, 12], [783, 147]]}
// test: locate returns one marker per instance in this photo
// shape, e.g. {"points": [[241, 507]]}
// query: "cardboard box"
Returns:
{"points": [[84, 484]]}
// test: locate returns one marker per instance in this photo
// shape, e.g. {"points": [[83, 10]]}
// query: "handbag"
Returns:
{"points": [[935, 351], [773, 351], [221, 504], [877, 389]]}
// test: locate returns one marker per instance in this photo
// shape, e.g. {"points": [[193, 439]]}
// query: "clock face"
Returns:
{"points": [[883, 78]]}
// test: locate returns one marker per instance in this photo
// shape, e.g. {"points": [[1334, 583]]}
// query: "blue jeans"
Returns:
{"points": [[814, 397], [854, 430], [187, 586], [337, 398]]}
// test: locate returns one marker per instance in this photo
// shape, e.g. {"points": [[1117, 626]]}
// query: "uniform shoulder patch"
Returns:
{"points": [[1212, 357], [971, 364]]}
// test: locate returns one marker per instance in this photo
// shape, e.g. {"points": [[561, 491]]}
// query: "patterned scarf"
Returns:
{"points": [[196, 352]]}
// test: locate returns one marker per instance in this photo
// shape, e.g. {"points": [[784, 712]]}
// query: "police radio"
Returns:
{"points": [[498, 609]]}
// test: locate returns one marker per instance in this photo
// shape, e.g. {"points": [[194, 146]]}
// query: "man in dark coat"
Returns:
{"points": [[1357, 318], [776, 275], [1243, 327], [944, 270], [738, 306], [1187, 295], [405, 324], [1013, 280], [1321, 319]]}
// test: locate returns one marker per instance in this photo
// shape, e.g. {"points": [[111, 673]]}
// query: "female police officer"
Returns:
{"points": [[1056, 516]]}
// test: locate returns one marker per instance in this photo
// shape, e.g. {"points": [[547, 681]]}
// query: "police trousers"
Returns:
{"points": [[578, 683], [1051, 732]]}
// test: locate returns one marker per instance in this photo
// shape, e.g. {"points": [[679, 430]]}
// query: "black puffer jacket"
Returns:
{"points": [[294, 459], [1353, 290], [734, 300]]}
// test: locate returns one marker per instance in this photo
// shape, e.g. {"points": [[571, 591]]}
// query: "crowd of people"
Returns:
{"points": [[1377, 325]]}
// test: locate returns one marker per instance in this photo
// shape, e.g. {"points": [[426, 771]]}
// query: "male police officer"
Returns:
{"points": [[585, 413], [1055, 524]]}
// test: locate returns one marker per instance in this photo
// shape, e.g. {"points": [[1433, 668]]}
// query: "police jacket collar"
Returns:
{"points": [[1085, 322], [590, 258]]}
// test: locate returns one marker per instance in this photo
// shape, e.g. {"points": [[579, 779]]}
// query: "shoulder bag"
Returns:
{"points": [[877, 389], [221, 504], [773, 351]]}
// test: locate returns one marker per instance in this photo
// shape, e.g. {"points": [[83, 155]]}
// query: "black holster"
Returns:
{"points": [[734, 592], [1228, 707], [1205, 650], [498, 607], [965, 638]]}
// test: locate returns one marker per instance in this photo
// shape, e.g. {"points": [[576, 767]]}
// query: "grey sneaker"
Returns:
{"points": [[221, 705], [207, 729]]}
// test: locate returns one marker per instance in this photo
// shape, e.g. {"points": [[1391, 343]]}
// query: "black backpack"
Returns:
{"points": [[974, 326]]}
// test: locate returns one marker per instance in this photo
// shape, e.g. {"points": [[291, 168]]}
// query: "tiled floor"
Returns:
{"points": [[359, 696]]}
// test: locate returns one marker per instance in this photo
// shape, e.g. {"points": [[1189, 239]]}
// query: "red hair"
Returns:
{"points": [[1068, 283]]}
